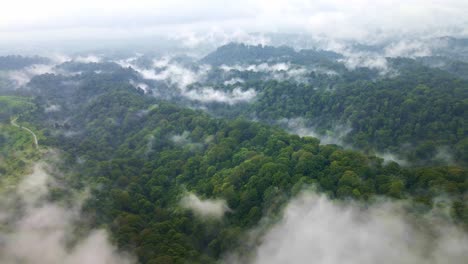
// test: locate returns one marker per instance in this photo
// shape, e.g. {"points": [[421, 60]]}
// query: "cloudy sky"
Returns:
{"points": [[26, 20]]}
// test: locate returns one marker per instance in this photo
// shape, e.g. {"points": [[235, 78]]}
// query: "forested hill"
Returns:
{"points": [[139, 155], [415, 114], [411, 109], [239, 53], [407, 108], [16, 62], [143, 134]]}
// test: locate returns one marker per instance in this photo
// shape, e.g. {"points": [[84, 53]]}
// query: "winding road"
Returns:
{"points": [[13, 122]]}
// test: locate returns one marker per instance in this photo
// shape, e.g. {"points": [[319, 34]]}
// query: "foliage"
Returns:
{"points": [[124, 149], [16, 62], [17, 152], [238, 53], [14, 105], [140, 154], [413, 114]]}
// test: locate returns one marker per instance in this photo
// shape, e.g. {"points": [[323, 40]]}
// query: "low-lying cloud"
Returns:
{"points": [[41, 231], [409, 48], [165, 70], [299, 127], [22, 77], [233, 81], [204, 208], [262, 67], [184, 140], [376, 57], [277, 71], [315, 229], [210, 95], [140, 85], [217, 37], [391, 157], [52, 108], [88, 59], [366, 60], [181, 77]]}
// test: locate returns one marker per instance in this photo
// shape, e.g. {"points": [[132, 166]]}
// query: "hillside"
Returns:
{"points": [[140, 155]]}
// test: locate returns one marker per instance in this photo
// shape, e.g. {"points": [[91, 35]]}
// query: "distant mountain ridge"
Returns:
{"points": [[239, 53], [16, 62]]}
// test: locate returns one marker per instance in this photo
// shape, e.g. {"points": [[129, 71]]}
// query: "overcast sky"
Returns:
{"points": [[26, 20]]}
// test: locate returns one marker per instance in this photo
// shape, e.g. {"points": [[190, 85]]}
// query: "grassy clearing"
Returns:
{"points": [[17, 149], [15, 104], [17, 152]]}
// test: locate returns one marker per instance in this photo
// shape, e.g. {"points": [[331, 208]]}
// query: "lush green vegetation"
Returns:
{"points": [[17, 152], [423, 111], [16, 62], [419, 114], [14, 105], [17, 149], [139, 154], [86, 67], [124, 148], [235, 53]]}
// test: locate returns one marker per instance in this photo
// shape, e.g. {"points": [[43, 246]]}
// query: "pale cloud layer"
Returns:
{"points": [[88, 59], [299, 126], [315, 229], [22, 77], [181, 77], [204, 208], [210, 95], [40, 233], [277, 71], [355, 19]]}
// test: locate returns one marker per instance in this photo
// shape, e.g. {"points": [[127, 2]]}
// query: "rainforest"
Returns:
{"points": [[235, 146]]}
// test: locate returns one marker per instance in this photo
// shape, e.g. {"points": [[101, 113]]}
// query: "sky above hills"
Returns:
{"points": [[363, 20]]}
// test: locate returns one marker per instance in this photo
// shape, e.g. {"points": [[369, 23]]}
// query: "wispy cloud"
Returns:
{"points": [[209, 21], [209, 95], [88, 59], [315, 228], [233, 81], [40, 232], [181, 77], [205, 208], [299, 126], [277, 71], [22, 77]]}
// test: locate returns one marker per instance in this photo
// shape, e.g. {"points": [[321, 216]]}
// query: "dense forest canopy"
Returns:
{"points": [[181, 158], [16, 62]]}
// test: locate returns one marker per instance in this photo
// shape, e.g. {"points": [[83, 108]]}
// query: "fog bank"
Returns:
{"points": [[315, 229], [42, 232], [204, 208]]}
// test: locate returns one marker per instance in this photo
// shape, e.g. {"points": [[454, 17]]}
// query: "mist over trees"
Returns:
{"points": [[260, 132], [139, 155]]}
